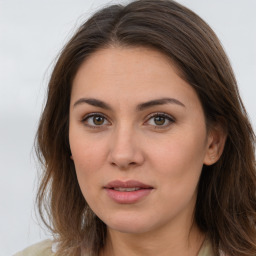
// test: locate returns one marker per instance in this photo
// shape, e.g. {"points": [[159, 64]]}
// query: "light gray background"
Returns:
{"points": [[31, 34]]}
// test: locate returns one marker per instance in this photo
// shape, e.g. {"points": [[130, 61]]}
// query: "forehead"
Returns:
{"points": [[122, 62], [137, 72]]}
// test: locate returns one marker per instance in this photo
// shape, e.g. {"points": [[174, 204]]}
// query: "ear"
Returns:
{"points": [[215, 144], [71, 157]]}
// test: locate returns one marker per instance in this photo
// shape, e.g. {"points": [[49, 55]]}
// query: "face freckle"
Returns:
{"points": [[133, 120]]}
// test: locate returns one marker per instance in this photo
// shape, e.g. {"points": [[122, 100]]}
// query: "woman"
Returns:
{"points": [[145, 143]]}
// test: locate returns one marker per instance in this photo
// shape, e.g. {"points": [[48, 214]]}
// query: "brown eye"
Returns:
{"points": [[159, 120], [98, 120], [95, 120]]}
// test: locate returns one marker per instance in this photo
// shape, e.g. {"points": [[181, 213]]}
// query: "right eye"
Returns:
{"points": [[95, 120]]}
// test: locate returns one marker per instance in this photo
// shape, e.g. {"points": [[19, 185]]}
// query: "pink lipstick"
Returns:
{"points": [[127, 192]]}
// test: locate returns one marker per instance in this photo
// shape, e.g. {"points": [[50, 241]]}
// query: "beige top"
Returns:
{"points": [[44, 248]]}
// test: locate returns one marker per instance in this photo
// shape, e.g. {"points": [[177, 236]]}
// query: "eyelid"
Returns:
{"points": [[170, 118], [160, 114], [92, 114]]}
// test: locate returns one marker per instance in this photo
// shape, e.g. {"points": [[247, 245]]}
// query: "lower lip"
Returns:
{"points": [[127, 197]]}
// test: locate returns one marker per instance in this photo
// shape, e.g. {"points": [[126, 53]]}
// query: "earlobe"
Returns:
{"points": [[215, 144], [71, 157]]}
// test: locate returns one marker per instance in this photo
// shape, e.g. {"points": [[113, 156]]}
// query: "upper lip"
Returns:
{"points": [[127, 184]]}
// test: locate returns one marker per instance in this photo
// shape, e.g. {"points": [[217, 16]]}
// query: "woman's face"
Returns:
{"points": [[138, 139]]}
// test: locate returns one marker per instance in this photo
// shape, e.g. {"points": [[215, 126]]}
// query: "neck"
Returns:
{"points": [[159, 243]]}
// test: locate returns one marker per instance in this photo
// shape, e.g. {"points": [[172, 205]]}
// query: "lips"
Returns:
{"points": [[127, 184], [127, 192]]}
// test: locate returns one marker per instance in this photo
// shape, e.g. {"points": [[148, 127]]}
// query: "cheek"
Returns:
{"points": [[87, 149], [178, 164], [179, 159], [88, 158], [86, 166]]}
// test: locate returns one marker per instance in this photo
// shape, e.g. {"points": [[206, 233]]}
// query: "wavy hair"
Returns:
{"points": [[226, 201]]}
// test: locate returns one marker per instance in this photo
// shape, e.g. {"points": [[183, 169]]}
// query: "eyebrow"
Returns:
{"points": [[140, 107], [93, 102], [157, 102]]}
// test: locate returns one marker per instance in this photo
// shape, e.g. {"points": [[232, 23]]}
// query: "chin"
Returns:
{"points": [[129, 228], [129, 225]]}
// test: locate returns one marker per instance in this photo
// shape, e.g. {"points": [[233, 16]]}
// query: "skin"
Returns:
{"points": [[130, 144]]}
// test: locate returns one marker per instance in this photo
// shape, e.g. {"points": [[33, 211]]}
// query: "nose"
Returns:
{"points": [[124, 150]]}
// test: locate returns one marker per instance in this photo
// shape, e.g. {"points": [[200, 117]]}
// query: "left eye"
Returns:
{"points": [[94, 120], [160, 120]]}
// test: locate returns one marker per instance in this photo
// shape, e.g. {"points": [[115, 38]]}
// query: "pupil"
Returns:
{"points": [[98, 120], [159, 120]]}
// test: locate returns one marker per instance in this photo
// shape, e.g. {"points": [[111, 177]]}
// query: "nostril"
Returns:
{"points": [[123, 165]]}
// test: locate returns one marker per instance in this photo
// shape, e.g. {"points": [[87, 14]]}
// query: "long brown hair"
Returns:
{"points": [[226, 201]]}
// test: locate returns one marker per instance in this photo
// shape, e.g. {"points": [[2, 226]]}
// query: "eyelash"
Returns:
{"points": [[167, 117], [85, 120]]}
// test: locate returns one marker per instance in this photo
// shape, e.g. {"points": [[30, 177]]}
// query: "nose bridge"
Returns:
{"points": [[124, 150]]}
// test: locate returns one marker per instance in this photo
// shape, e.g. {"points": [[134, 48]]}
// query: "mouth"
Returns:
{"points": [[126, 189], [130, 184], [127, 192]]}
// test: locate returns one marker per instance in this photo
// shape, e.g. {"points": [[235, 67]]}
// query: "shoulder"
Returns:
{"points": [[43, 248], [206, 249]]}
